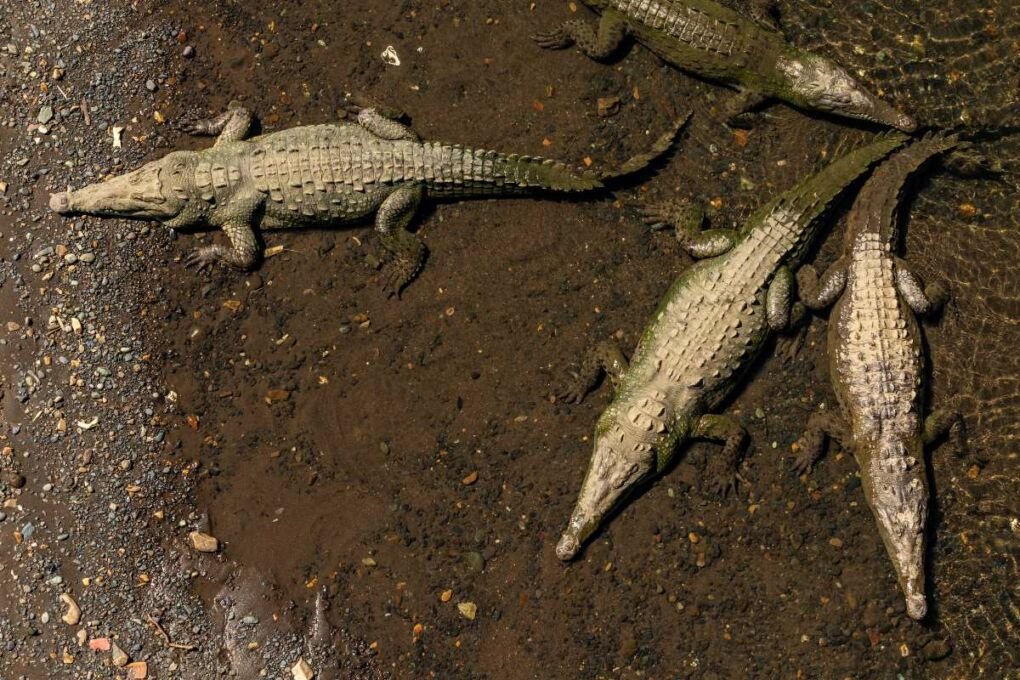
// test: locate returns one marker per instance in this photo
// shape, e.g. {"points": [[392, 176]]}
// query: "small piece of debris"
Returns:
{"points": [[45, 115], [470, 479], [608, 106], [389, 55], [99, 644], [118, 132], [203, 542], [368, 561]]}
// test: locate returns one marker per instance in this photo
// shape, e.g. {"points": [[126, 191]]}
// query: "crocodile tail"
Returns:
{"points": [[663, 144], [811, 197], [875, 208], [454, 170]]}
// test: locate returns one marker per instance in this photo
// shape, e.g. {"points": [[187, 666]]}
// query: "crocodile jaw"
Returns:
{"points": [[135, 195], [821, 84], [894, 487], [618, 463]]}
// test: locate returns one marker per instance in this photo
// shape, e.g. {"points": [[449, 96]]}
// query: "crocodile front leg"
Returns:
{"points": [[722, 471], [739, 112], [408, 251], [819, 293], [600, 45], [687, 220], [925, 301], [233, 125], [604, 359], [945, 422], [812, 443], [243, 253]]}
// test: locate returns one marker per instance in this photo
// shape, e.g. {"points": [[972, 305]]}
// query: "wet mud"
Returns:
{"points": [[403, 462]]}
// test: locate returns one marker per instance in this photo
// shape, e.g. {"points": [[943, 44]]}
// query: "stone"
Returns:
{"points": [[118, 655], [203, 542], [45, 115], [608, 106], [302, 671], [73, 614]]}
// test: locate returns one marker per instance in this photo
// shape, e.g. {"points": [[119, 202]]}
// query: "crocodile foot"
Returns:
{"points": [[722, 480], [201, 258], [573, 390], [553, 40], [399, 272]]}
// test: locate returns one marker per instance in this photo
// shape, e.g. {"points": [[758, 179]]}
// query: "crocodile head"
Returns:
{"points": [[141, 194], [628, 449], [894, 487], [820, 84]]}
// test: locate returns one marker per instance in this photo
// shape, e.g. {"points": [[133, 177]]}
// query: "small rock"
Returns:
{"points": [[139, 670], [608, 106], [118, 655], [13, 479], [45, 115], [470, 479], [203, 542], [368, 561], [474, 561], [188, 52], [150, 85], [100, 644], [73, 614], [87, 257], [57, 74], [467, 609], [936, 649], [302, 671]]}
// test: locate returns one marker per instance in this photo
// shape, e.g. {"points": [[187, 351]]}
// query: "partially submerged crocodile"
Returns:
{"points": [[877, 365], [706, 332], [714, 42], [334, 174]]}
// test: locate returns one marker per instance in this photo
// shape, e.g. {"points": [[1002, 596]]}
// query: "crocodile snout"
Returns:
{"points": [[60, 203]]}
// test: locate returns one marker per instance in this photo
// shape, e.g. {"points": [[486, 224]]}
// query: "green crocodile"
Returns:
{"points": [[334, 174], [877, 365], [706, 332], [714, 42]]}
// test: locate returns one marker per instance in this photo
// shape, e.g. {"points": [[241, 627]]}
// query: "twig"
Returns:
{"points": [[166, 637]]}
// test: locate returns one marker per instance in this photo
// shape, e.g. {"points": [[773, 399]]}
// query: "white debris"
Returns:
{"points": [[389, 55], [118, 131]]}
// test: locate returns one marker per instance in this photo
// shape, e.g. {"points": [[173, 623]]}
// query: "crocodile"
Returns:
{"points": [[718, 44], [706, 332], [330, 174], [877, 366]]}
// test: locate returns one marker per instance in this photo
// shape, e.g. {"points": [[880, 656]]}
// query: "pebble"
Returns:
{"points": [[87, 257], [150, 85], [188, 52], [139, 670], [45, 115], [468, 610], [118, 655], [936, 649], [608, 106], [73, 614], [302, 671], [474, 561], [203, 542]]}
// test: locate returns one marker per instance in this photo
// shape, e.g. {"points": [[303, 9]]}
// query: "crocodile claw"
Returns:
{"points": [[554, 40], [397, 275], [572, 392], [203, 257]]}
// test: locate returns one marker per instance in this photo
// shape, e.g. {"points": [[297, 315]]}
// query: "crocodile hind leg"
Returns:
{"points": [[819, 293], [599, 45], [945, 422], [244, 252], [687, 220], [407, 250], [924, 300], [233, 125], [722, 471], [382, 124], [809, 447], [604, 359]]}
